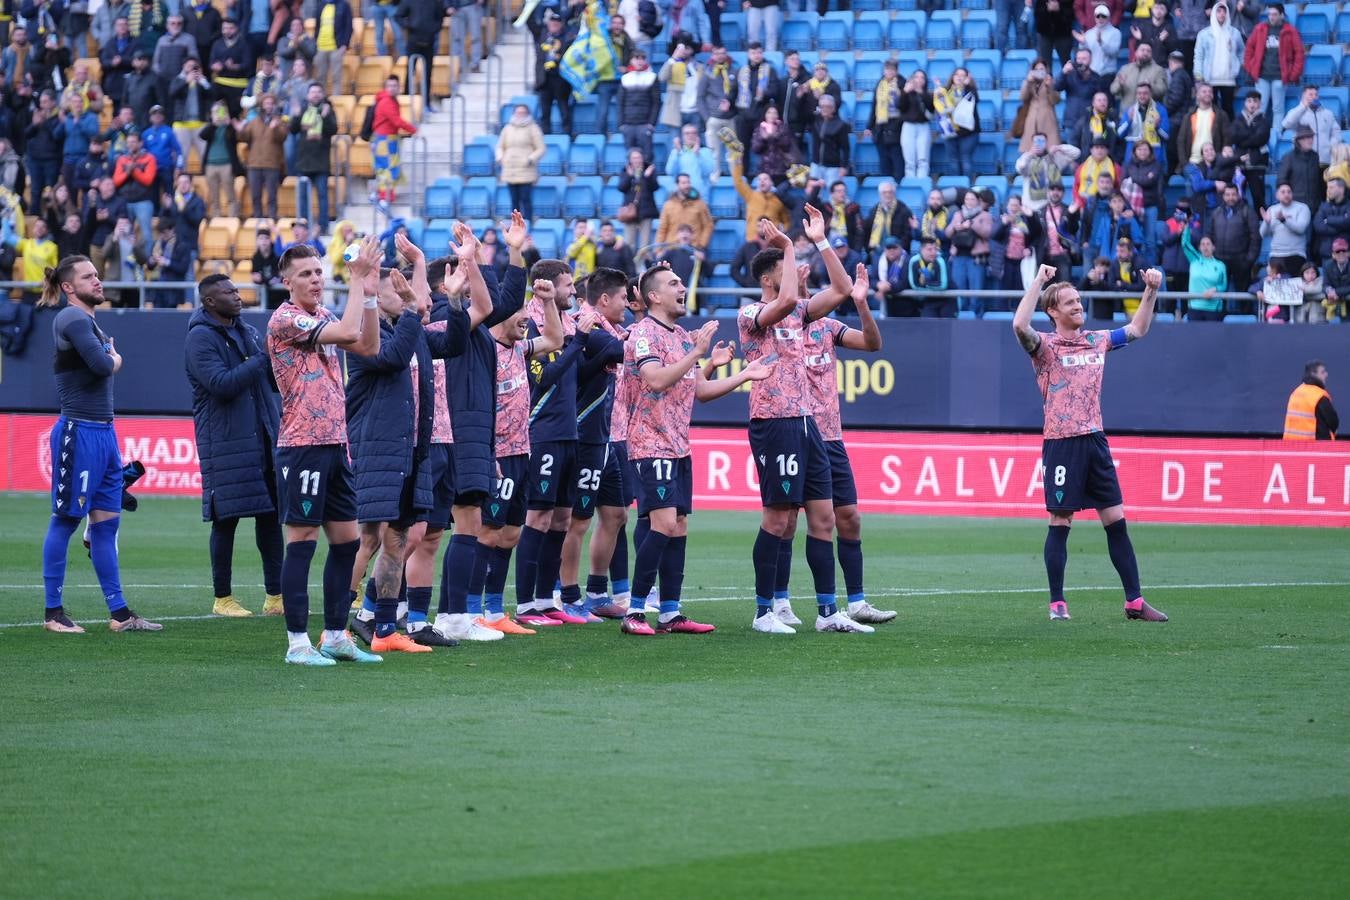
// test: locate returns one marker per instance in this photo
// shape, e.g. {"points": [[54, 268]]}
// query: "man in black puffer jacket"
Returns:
{"points": [[235, 418]]}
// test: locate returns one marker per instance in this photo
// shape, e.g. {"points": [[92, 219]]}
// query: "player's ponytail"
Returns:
{"points": [[53, 276], [51, 288]]}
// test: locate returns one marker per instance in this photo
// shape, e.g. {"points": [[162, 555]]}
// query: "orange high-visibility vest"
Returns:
{"points": [[1300, 419]]}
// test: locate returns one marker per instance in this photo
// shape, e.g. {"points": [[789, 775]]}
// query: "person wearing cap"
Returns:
{"points": [[1321, 121], [1310, 415], [161, 141], [1301, 169], [1251, 140], [1331, 221], [1336, 279], [1102, 40], [1218, 56], [888, 280], [1097, 164], [1274, 59], [1057, 241], [141, 89]]}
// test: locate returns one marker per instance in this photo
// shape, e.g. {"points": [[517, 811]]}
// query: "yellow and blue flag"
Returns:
{"points": [[591, 58]]}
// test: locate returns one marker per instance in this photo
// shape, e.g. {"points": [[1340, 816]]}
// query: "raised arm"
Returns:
{"points": [[358, 331], [480, 299], [661, 378], [1027, 336], [551, 334], [780, 307], [828, 300], [869, 336], [414, 255], [1143, 316]]}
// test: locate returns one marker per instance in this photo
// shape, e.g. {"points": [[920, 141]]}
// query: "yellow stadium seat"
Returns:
{"points": [[286, 197], [244, 240], [371, 75], [194, 161], [441, 82], [361, 163], [343, 107], [350, 63], [245, 198], [243, 279], [410, 108], [217, 238]]}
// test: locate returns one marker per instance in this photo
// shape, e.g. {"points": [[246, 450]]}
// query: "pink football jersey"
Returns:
{"points": [[1069, 372], [513, 401], [822, 383], [313, 398], [783, 395], [658, 421]]}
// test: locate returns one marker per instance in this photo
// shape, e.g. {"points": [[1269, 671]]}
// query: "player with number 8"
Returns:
{"points": [[1079, 471]]}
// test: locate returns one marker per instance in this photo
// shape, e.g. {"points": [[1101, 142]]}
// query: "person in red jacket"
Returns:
{"points": [[134, 175], [1274, 59], [388, 126]]}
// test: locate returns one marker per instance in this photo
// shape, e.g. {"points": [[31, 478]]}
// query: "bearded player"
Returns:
{"points": [[1079, 471]]}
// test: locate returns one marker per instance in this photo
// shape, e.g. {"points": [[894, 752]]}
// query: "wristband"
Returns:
{"points": [[370, 303], [822, 246]]}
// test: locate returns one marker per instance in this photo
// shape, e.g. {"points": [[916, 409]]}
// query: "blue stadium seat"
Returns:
{"points": [[942, 30], [942, 65], [501, 201], [1314, 26], [958, 182], [1176, 189], [1336, 99], [983, 67], [551, 237], [866, 158], [867, 195], [973, 4], [799, 32], [869, 31], [1343, 27], [610, 201], [436, 237], [1321, 64], [586, 116], [727, 238], [548, 195], [440, 200], [584, 157], [833, 31], [903, 5], [613, 158], [987, 153], [580, 201], [555, 154], [996, 183], [977, 31], [415, 228], [905, 33], [479, 159], [1010, 107], [476, 198], [864, 6], [1016, 64], [724, 201], [989, 116], [913, 192], [910, 61], [941, 159], [858, 113], [867, 70], [733, 31], [1010, 153]]}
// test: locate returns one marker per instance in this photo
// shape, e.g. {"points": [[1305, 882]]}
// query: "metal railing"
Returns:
{"points": [[493, 89], [188, 290], [458, 108]]}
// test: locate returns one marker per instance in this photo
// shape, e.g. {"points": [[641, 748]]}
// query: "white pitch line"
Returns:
{"points": [[905, 592]]}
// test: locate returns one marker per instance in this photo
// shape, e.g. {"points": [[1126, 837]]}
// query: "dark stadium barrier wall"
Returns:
{"points": [[1196, 480], [1184, 379]]}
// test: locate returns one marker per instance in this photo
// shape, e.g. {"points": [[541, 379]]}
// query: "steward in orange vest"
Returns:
{"points": [[1310, 415]]}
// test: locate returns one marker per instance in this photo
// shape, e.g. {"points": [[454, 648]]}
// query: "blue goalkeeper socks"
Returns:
{"points": [[54, 549], [103, 552]]}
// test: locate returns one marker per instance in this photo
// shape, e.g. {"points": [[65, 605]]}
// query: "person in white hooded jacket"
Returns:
{"points": [[1218, 56]]}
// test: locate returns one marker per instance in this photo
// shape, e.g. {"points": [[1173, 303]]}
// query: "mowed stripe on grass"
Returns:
{"points": [[972, 748]]}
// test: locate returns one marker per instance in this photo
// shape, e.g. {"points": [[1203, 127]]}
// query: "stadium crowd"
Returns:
{"points": [[1169, 123]]}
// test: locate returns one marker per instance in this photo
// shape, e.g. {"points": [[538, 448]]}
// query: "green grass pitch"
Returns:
{"points": [[971, 749]]}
